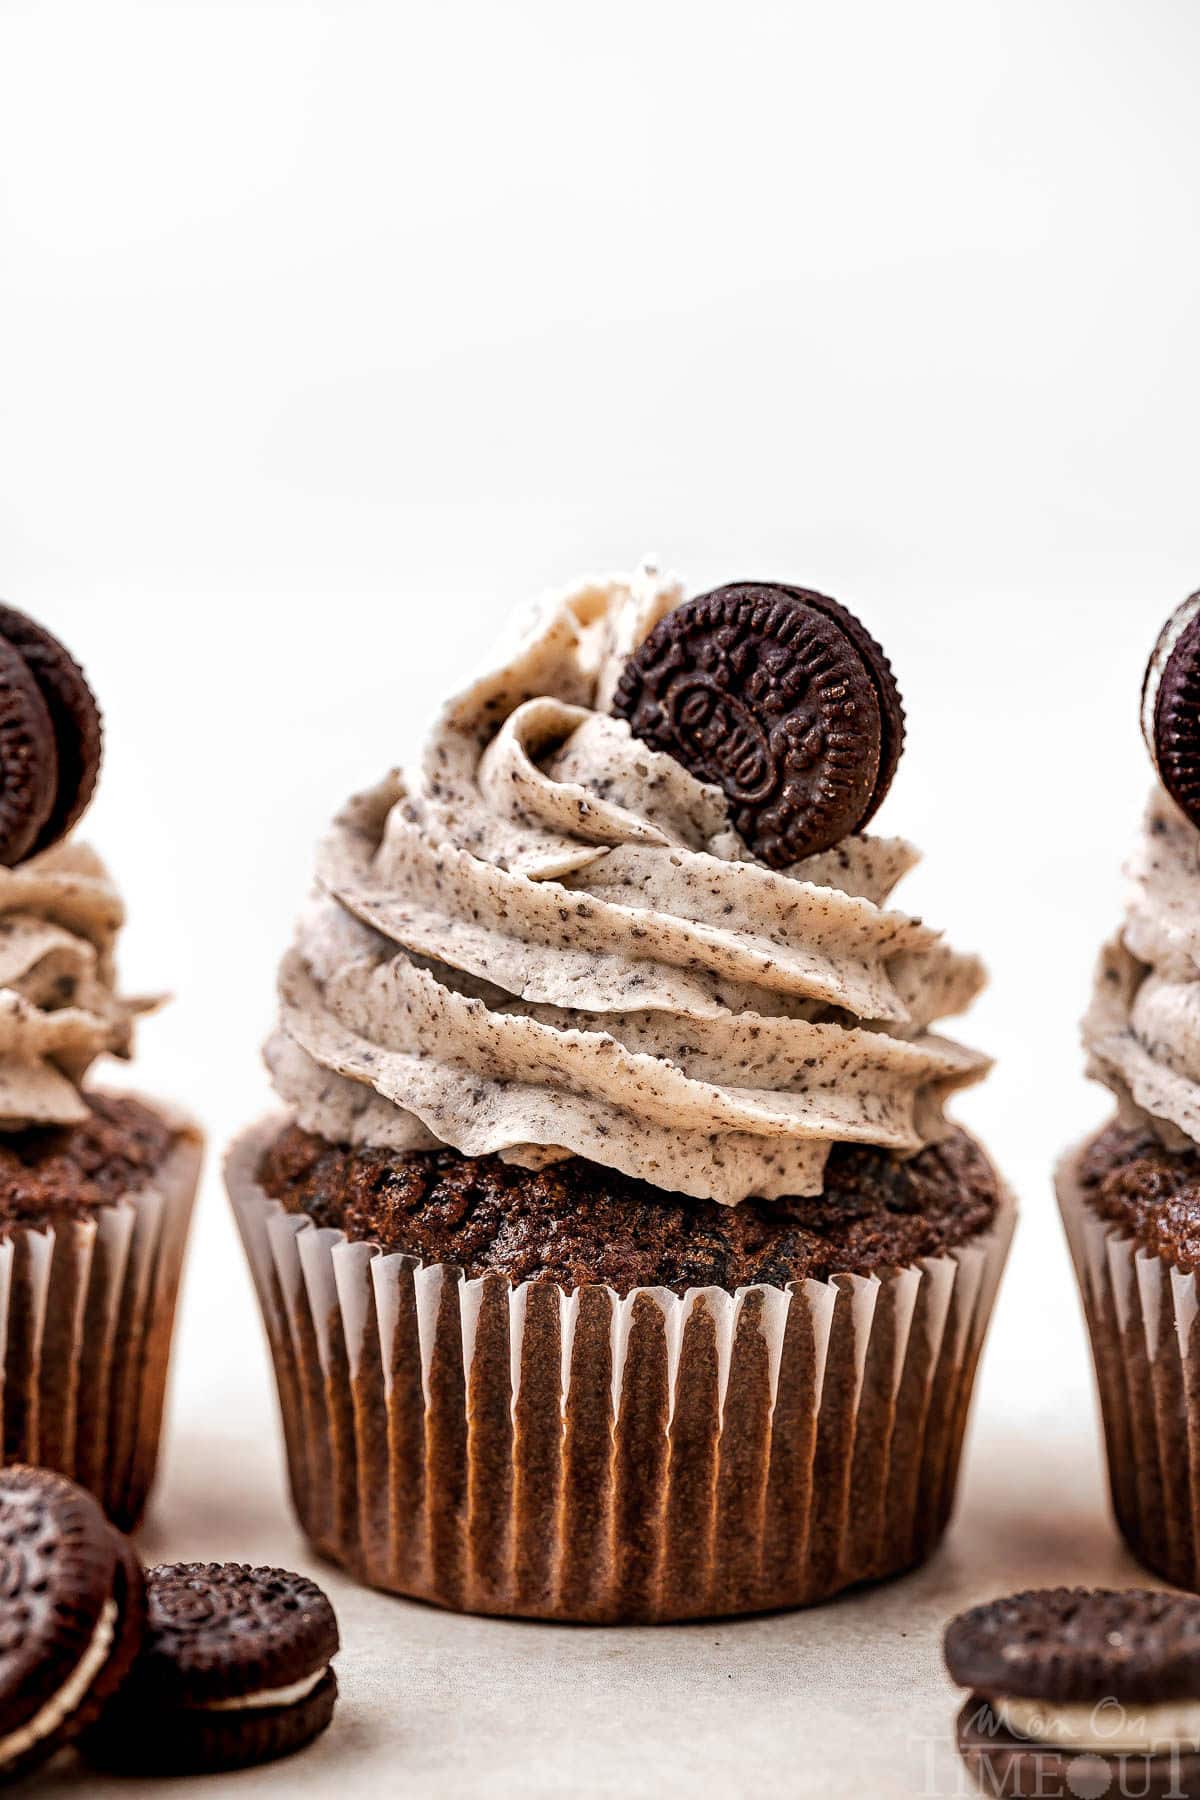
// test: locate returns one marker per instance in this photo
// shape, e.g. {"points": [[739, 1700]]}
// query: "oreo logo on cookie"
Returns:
{"points": [[781, 698]]}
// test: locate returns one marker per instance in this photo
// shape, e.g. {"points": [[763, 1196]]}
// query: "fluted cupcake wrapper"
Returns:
{"points": [[87, 1311], [524, 1450], [1141, 1314]]}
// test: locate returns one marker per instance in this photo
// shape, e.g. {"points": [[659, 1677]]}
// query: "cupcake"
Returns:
{"points": [[1130, 1195], [616, 1258], [96, 1188]]}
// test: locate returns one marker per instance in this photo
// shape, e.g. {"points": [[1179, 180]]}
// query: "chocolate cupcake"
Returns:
{"points": [[616, 1258], [1130, 1195], [96, 1189]]}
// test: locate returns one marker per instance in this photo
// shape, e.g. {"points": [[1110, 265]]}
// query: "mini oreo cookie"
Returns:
{"points": [[781, 698], [74, 717], [72, 1614], [235, 1670], [1081, 1691]]}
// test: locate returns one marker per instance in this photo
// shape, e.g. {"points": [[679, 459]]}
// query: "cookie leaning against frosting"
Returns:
{"points": [[630, 1104], [1130, 1196], [95, 1188]]}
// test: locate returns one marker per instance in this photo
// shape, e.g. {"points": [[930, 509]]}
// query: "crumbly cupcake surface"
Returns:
{"points": [[50, 1172], [575, 1222], [1128, 1176]]}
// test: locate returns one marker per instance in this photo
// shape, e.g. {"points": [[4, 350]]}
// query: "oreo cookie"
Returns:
{"points": [[235, 1670], [50, 739], [1081, 1691], [781, 698], [1171, 707], [28, 759], [72, 1614], [74, 716]]}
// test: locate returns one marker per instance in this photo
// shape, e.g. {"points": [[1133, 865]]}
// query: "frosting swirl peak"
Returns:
{"points": [[553, 942], [1142, 1029]]}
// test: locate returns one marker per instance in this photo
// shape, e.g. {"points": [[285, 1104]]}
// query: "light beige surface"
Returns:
{"points": [[841, 1701], [845, 1700]]}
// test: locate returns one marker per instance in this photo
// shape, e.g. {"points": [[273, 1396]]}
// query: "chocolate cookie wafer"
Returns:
{"points": [[780, 697], [235, 1670], [72, 1613]]}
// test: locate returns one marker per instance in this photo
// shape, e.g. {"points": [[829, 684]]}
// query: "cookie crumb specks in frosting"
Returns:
{"points": [[59, 1007], [59, 911], [1142, 1029], [552, 941]]}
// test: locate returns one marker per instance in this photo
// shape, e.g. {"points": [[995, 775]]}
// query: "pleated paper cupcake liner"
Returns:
{"points": [[526, 1451], [87, 1311], [1141, 1314]]}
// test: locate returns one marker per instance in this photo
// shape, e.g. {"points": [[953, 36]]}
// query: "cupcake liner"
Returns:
{"points": [[526, 1451], [1141, 1315], [87, 1311]]}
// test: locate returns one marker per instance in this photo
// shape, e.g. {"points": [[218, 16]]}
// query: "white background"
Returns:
{"points": [[330, 332]]}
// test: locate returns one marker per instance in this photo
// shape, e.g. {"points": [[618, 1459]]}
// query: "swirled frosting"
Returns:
{"points": [[552, 942], [1142, 1029], [59, 1009]]}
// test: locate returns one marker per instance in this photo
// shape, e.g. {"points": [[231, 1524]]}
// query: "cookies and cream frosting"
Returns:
{"points": [[59, 1007], [1142, 1029], [552, 942]]}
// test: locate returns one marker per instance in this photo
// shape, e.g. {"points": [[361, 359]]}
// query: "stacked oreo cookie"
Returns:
{"points": [[183, 1669], [1080, 1691]]}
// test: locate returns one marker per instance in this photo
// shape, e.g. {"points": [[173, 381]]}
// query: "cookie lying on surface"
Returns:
{"points": [[72, 1614], [235, 1669], [1075, 1686]]}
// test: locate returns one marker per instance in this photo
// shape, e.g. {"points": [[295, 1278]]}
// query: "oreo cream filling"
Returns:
{"points": [[71, 1694]]}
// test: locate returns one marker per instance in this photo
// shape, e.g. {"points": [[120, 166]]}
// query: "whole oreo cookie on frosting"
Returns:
{"points": [[50, 739], [781, 698], [1171, 707], [74, 716], [235, 1670]]}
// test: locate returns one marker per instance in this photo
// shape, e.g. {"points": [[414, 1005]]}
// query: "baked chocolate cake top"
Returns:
{"points": [[52, 1172], [555, 942], [575, 1222], [1129, 1176]]}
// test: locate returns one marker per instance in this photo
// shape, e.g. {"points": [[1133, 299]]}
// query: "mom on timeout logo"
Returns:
{"points": [[1003, 1766]]}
